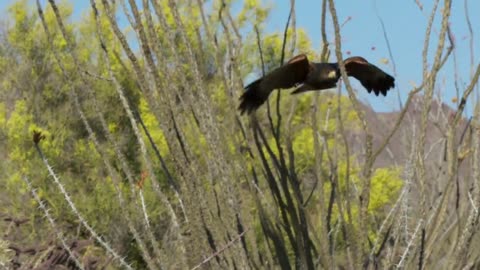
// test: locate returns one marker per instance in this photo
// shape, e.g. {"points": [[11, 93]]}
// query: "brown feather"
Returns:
{"points": [[286, 76], [313, 76], [370, 76]]}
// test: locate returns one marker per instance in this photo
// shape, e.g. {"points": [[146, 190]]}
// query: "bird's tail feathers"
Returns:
{"points": [[253, 97]]}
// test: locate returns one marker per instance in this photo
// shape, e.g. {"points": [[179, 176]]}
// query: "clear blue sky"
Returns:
{"points": [[405, 24]]}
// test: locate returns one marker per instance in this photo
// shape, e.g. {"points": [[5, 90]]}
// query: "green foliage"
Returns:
{"points": [[3, 119], [42, 104], [153, 127], [386, 184], [271, 44], [252, 12], [42, 98], [6, 254]]}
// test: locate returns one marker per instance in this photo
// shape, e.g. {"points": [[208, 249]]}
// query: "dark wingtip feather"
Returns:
{"points": [[252, 98], [381, 86], [389, 83]]}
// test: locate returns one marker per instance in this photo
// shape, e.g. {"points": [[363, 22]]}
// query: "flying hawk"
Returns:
{"points": [[299, 71]]}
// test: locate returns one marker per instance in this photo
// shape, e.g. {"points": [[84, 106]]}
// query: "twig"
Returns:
{"points": [[404, 256], [52, 222], [390, 52], [218, 252]]}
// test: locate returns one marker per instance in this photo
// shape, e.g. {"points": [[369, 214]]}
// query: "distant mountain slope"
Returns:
{"points": [[399, 148]]}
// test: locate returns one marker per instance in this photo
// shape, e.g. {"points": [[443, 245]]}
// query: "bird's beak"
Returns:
{"points": [[332, 74]]}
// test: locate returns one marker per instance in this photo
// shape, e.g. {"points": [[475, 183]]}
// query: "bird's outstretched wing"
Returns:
{"points": [[371, 77], [286, 76]]}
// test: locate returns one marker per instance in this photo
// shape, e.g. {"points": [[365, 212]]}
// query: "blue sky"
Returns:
{"points": [[405, 24]]}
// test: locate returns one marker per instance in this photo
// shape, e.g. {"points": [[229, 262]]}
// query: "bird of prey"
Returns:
{"points": [[307, 76]]}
